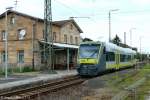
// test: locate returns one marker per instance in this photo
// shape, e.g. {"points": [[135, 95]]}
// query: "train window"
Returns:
{"points": [[86, 51], [122, 58], [104, 51], [129, 57], [110, 56], [125, 58]]}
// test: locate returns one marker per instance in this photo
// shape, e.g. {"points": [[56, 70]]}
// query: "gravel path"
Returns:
{"points": [[93, 89]]}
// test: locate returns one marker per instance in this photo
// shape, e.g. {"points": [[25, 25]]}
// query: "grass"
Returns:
{"points": [[117, 83], [142, 91], [24, 70], [16, 70]]}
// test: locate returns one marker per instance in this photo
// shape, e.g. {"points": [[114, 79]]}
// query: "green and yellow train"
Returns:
{"points": [[97, 57]]}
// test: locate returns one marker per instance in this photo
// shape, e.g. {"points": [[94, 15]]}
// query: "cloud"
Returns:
{"points": [[141, 2]]}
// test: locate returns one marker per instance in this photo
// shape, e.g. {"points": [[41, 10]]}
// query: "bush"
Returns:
{"points": [[16, 70], [27, 69]]}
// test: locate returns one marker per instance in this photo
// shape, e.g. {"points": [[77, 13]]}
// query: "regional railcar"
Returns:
{"points": [[97, 57]]}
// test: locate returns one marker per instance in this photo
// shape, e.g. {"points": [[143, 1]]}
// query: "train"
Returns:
{"points": [[97, 57]]}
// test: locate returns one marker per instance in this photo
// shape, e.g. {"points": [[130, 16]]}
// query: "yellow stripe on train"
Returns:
{"points": [[88, 61]]}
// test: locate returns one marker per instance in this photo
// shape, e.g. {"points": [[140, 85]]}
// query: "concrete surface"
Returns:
{"points": [[16, 81]]}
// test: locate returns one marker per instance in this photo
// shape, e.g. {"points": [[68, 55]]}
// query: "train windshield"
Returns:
{"points": [[89, 51]]}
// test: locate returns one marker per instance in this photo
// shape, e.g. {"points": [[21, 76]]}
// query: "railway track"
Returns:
{"points": [[33, 92], [53, 86]]}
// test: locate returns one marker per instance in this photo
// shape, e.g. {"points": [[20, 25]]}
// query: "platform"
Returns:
{"points": [[29, 79]]}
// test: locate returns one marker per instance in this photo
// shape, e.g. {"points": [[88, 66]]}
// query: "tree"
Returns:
{"points": [[116, 40]]}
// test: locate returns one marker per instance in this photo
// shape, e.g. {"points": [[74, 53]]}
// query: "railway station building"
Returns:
{"points": [[26, 37]]}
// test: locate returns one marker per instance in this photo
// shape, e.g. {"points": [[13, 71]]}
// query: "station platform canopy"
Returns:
{"points": [[62, 45]]}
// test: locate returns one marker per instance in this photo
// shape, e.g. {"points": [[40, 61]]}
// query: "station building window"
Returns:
{"points": [[76, 40], [21, 56], [12, 20], [54, 36], [65, 38], [71, 26], [71, 39], [3, 57], [3, 35]]}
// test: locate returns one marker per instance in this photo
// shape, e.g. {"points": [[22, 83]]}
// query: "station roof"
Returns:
{"points": [[66, 45], [58, 23], [62, 45]]}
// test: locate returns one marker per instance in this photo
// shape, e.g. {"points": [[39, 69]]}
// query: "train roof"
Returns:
{"points": [[91, 42], [113, 47]]}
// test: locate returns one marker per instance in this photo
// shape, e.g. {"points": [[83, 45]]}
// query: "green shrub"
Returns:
{"points": [[27, 69]]}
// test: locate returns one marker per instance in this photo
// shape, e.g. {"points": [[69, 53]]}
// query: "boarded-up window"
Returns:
{"points": [[54, 36], [65, 38], [71, 26], [71, 39], [76, 40]]}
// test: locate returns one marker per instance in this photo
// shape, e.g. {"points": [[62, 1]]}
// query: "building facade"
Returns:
{"points": [[26, 35]]}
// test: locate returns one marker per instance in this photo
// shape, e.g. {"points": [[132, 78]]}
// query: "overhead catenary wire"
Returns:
{"points": [[103, 14], [68, 7]]}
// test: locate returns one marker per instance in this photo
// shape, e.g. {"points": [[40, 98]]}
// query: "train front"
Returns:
{"points": [[88, 59]]}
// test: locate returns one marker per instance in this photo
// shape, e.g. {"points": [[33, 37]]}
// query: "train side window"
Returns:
{"points": [[107, 57], [129, 57], [110, 56], [104, 51], [123, 58]]}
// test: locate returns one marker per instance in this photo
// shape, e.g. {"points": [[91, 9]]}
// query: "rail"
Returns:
{"points": [[33, 92]]}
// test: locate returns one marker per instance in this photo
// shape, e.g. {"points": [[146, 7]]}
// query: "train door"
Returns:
{"points": [[117, 59]]}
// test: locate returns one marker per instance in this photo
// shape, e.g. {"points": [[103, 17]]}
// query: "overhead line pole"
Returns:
{"points": [[48, 33], [6, 42], [6, 46], [109, 17]]}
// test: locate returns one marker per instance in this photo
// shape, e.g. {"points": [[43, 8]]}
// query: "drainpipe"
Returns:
{"points": [[68, 59], [33, 38]]}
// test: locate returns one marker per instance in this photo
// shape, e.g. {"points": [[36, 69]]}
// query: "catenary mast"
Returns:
{"points": [[48, 34]]}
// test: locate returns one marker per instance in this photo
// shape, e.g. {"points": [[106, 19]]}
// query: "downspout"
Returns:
{"points": [[33, 38]]}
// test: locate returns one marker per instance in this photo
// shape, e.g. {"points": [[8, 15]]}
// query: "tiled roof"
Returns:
{"points": [[59, 23]]}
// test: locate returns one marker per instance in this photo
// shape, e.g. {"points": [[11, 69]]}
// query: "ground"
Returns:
{"points": [[121, 85]]}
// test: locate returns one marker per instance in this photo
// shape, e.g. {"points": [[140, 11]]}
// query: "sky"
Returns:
{"points": [[133, 16]]}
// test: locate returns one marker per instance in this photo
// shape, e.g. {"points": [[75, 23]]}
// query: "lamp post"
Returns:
{"points": [[6, 42], [109, 17], [131, 35], [140, 48]]}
